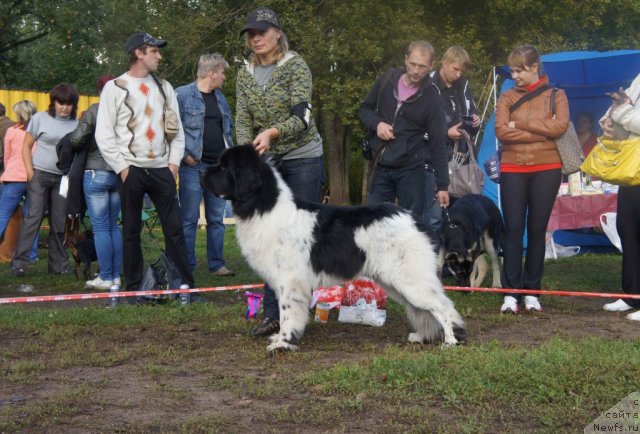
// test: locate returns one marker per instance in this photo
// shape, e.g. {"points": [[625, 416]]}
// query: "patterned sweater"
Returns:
{"points": [[129, 127], [258, 110]]}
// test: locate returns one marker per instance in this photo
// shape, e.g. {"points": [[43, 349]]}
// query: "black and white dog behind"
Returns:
{"points": [[297, 246], [474, 226]]}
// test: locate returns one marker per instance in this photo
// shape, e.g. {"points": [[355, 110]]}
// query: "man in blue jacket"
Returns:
{"points": [[406, 112], [207, 122]]}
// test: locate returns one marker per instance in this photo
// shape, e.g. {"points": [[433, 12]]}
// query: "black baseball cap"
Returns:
{"points": [[139, 39], [261, 19]]}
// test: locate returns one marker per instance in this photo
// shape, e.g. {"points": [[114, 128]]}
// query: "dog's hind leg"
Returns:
{"points": [[490, 247], [433, 318], [427, 328], [294, 313], [479, 271]]}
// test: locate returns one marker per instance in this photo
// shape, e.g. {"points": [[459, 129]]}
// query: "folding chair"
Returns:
{"points": [[149, 215]]}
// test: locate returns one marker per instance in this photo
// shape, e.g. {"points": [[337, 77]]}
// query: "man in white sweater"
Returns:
{"points": [[130, 133]]}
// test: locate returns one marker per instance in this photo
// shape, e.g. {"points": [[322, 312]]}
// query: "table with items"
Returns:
{"points": [[580, 203]]}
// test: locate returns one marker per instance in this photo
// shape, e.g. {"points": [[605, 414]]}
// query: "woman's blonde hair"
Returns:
{"points": [[281, 49], [524, 57], [24, 109]]}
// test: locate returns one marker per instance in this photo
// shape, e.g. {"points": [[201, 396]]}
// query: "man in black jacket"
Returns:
{"points": [[407, 114], [460, 113]]}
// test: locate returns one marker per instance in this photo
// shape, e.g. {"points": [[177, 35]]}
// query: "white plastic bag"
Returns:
{"points": [[555, 251], [608, 223], [64, 186], [363, 313]]}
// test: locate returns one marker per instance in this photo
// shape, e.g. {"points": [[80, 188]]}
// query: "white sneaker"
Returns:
{"points": [[98, 283], [531, 303], [617, 306], [117, 281], [510, 305], [635, 316]]}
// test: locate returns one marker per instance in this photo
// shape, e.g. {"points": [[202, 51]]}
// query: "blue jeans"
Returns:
{"points": [[406, 184], [190, 193], [432, 216], [103, 204], [304, 177], [12, 194]]}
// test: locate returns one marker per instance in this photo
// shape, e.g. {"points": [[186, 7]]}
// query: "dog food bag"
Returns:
{"points": [[365, 289], [363, 313], [331, 295]]}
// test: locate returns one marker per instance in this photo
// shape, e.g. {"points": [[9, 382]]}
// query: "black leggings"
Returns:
{"points": [[527, 200], [628, 224]]}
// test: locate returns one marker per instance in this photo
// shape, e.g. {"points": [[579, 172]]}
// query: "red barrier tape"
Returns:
{"points": [[545, 292], [94, 296]]}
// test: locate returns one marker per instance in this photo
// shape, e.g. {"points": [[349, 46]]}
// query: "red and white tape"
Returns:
{"points": [[99, 295]]}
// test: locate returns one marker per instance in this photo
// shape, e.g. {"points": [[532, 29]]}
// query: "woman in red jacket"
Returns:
{"points": [[530, 170]]}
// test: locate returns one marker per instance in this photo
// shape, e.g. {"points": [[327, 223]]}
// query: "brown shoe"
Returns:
{"points": [[223, 272]]}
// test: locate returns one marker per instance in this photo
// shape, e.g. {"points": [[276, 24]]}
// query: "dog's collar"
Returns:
{"points": [[451, 225]]}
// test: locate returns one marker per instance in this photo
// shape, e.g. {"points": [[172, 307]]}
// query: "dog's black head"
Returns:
{"points": [[460, 251], [242, 177]]}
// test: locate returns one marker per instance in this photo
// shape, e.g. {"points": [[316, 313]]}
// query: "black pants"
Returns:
{"points": [[527, 200], [628, 225], [160, 185]]}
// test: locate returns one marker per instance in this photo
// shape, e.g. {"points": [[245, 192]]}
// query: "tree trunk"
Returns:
{"points": [[338, 159]]}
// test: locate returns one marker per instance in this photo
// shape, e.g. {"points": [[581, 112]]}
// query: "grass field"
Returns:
{"points": [[78, 367]]}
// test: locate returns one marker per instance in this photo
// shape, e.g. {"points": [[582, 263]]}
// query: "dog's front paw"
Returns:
{"points": [[281, 346], [274, 338]]}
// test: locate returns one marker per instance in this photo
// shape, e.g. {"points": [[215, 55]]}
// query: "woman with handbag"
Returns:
{"points": [[627, 117], [530, 170], [273, 113]]}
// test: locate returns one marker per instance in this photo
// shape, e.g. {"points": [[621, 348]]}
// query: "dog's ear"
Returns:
{"points": [[246, 166]]}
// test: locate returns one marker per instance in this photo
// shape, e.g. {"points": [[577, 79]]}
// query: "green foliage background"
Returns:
{"points": [[346, 44]]}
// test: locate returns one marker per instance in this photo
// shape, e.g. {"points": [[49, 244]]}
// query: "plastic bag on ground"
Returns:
{"points": [[608, 223], [332, 295], [365, 289], [363, 313]]}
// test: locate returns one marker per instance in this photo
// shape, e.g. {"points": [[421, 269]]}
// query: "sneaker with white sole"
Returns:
{"points": [[532, 304], [510, 305], [98, 283], [617, 306], [635, 316], [117, 281]]}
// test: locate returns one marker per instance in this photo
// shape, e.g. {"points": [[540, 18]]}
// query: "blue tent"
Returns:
{"points": [[585, 76]]}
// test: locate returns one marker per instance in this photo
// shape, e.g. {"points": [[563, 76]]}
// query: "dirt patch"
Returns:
{"points": [[227, 385]]}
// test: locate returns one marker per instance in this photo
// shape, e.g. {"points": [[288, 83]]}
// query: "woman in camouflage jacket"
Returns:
{"points": [[273, 113]]}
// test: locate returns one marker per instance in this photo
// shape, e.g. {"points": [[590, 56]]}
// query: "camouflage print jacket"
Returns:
{"points": [[258, 110]]}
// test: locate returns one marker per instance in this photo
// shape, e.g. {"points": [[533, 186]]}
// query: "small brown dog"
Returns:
{"points": [[82, 247], [618, 98]]}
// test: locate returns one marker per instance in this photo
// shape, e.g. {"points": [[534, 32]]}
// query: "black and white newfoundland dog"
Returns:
{"points": [[297, 246], [474, 226]]}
